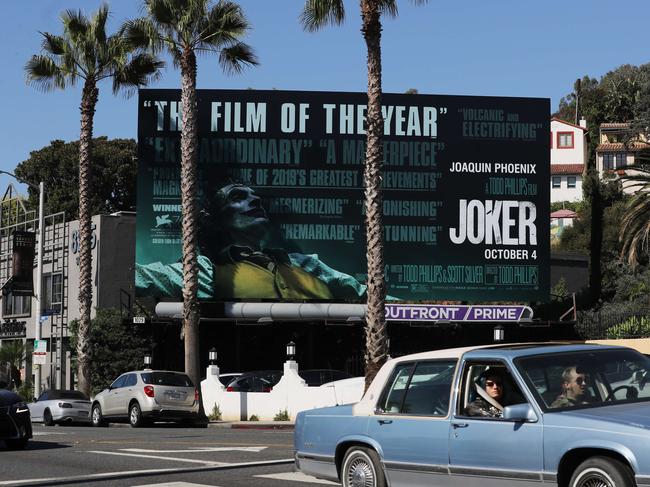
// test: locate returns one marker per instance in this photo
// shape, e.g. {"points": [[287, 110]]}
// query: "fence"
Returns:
{"points": [[603, 324]]}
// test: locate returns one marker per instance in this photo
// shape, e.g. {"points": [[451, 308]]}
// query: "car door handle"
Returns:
{"points": [[459, 425], [385, 421]]}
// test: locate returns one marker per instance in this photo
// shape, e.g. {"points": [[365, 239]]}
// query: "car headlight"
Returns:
{"points": [[20, 407]]}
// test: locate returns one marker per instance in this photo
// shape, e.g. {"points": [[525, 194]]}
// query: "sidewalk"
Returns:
{"points": [[253, 425]]}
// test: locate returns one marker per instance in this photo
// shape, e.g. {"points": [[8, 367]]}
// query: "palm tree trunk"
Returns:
{"points": [[189, 157], [88, 102], [376, 338]]}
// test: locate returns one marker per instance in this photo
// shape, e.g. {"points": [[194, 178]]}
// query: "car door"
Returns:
{"points": [[488, 451], [412, 424], [111, 399], [37, 407]]}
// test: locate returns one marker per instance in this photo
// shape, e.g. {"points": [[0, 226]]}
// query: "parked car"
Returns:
{"points": [[147, 395], [228, 377], [318, 377], [255, 381], [572, 415], [60, 406], [15, 422]]}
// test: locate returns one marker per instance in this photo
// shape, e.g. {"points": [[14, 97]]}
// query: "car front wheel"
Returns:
{"points": [[602, 472], [362, 468], [96, 416]]}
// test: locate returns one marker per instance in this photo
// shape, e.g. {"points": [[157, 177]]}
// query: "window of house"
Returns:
{"points": [[608, 161], [557, 181], [620, 158], [612, 160], [571, 182], [565, 140], [16, 305], [52, 293]]}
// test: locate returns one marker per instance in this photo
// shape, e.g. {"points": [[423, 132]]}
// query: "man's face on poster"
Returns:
{"points": [[242, 211]]}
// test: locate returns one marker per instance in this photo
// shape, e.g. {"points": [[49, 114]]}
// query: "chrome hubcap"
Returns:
{"points": [[595, 480], [360, 474], [96, 415], [134, 415]]}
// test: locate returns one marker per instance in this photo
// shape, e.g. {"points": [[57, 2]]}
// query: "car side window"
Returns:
{"points": [[119, 382], [44, 396], [487, 388], [131, 380], [421, 389]]}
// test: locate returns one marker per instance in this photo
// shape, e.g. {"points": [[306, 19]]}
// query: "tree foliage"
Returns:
{"points": [[113, 178], [116, 346]]}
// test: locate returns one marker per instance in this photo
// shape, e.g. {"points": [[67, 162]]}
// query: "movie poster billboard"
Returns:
{"points": [[280, 189]]}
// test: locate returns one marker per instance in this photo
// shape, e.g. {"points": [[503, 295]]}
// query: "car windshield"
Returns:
{"points": [[166, 379], [587, 379], [67, 395]]}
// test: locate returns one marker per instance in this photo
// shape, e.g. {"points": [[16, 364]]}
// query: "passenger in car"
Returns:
{"points": [[574, 387], [490, 396]]}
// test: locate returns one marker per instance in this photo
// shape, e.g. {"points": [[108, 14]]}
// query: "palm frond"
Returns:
{"points": [[389, 7], [141, 34], [235, 58], [162, 12], [45, 74], [635, 226], [53, 44], [316, 14], [75, 24], [98, 24], [222, 25], [141, 70]]}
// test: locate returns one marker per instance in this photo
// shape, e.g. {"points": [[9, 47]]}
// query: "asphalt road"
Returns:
{"points": [[157, 456]]}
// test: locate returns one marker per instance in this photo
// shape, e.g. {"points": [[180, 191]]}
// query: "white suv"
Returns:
{"points": [[147, 395]]}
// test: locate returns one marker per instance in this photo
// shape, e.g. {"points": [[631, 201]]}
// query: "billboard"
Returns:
{"points": [[466, 196]]}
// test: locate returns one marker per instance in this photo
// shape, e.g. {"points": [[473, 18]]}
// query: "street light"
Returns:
{"points": [[212, 356], [39, 270], [147, 360], [291, 350]]}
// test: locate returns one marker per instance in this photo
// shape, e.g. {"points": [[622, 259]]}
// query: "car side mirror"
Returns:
{"points": [[34, 399], [522, 413]]}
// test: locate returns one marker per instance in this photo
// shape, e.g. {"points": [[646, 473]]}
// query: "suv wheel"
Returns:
{"points": [[96, 416], [135, 415]]}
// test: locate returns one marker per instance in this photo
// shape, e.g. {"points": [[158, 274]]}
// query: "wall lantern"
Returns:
{"points": [[499, 333], [291, 350], [147, 360], [212, 355]]}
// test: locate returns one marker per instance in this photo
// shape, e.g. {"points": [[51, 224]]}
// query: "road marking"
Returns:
{"points": [[296, 477], [158, 457], [199, 449], [141, 473], [175, 484], [46, 433]]}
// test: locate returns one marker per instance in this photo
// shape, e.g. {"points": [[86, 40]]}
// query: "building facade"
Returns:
{"points": [[568, 159], [113, 257], [617, 151]]}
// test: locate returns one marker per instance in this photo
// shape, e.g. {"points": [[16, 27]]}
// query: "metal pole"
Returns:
{"points": [[39, 282]]}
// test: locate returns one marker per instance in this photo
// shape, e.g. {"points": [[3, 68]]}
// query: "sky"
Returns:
{"points": [[469, 47]]}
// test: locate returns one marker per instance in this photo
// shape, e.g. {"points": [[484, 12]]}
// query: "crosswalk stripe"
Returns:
{"points": [[175, 484], [158, 457]]}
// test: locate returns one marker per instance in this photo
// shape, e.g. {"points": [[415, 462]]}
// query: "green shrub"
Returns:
{"points": [[282, 416], [633, 327], [253, 418], [26, 391], [215, 415]]}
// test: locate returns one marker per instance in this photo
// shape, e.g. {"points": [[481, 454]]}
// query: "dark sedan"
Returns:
{"points": [[256, 381], [15, 422]]}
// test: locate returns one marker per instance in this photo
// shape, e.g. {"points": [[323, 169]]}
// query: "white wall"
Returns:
{"points": [[578, 154], [291, 394], [564, 193]]}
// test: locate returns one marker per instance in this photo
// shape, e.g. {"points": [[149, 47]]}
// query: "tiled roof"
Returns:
{"points": [[567, 168], [619, 146], [623, 125], [564, 214]]}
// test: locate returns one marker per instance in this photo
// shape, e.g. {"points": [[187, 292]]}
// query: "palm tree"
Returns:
{"points": [[12, 354], [635, 226], [317, 14], [184, 28], [85, 52]]}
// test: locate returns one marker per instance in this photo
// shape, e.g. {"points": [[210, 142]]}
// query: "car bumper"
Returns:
{"points": [[71, 416], [14, 426], [171, 415]]}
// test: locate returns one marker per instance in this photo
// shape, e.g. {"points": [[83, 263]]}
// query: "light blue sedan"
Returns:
{"points": [[567, 415]]}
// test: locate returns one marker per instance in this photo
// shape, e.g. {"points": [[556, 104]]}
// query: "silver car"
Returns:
{"points": [[60, 406], [146, 396]]}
